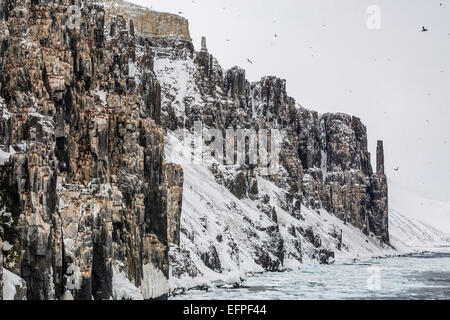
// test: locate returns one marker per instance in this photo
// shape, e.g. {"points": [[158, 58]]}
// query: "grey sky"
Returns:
{"points": [[396, 79]]}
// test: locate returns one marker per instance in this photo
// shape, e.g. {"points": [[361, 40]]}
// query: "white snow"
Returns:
{"points": [[74, 281], [210, 210], [177, 78], [123, 289], [6, 217], [354, 242], [10, 282], [101, 94], [6, 246], [132, 69], [431, 212], [154, 282], [409, 233], [4, 156]]}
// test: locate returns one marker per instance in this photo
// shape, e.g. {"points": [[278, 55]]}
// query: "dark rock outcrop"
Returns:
{"points": [[173, 196], [81, 108], [379, 198], [211, 259], [1, 270]]}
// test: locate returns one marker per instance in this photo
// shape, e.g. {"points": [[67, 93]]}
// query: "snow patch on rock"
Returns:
{"points": [[123, 289], [14, 287], [154, 282]]}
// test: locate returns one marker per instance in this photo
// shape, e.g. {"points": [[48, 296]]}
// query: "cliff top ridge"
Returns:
{"points": [[148, 22]]}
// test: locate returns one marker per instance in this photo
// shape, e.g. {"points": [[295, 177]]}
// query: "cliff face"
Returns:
{"points": [[1, 270], [149, 23], [325, 166], [345, 184], [325, 161], [91, 208], [86, 187]]}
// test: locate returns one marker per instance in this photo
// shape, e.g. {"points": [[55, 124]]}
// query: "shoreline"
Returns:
{"points": [[207, 285]]}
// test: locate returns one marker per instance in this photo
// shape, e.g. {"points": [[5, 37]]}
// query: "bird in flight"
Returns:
{"points": [[424, 29], [249, 61]]}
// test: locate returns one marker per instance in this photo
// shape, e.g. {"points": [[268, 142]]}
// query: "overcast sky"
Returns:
{"points": [[396, 79]]}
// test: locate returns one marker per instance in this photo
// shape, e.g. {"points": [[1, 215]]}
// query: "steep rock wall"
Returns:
{"points": [[86, 187], [325, 163], [172, 199], [81, 114], [1, 270], [149, 23], [325, 157]]}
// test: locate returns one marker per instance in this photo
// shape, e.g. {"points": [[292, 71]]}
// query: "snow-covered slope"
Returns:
{"points": [[229, 233], [431, 212], [416, 221], [14, 287], [223, 237], [409, 233], [220, 233]]}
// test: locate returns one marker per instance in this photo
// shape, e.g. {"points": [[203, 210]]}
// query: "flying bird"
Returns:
{"points": [[249, 61], [424, 29]]}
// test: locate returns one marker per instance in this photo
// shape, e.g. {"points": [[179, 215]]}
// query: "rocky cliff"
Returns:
{"points": [[92, 95], [325, 158], [325, 167], [85, 185], [1, 270], [149, 23]]}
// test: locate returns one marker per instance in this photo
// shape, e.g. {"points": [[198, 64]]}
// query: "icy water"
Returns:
{"points": [[419, 276]]}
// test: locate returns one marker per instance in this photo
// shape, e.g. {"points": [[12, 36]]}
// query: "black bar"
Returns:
{"points": [[174, 310]]}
